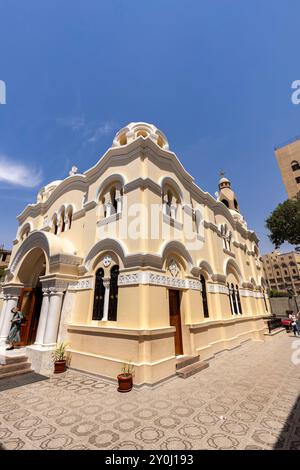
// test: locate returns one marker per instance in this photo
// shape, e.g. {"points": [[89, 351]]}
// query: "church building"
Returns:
{"points": [[131, 261]]}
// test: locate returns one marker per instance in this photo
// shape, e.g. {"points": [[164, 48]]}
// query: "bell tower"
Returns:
{"points": [[226, 194]]}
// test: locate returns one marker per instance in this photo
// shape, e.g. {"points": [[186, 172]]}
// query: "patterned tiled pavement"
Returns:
{"points": [[246, 399]]}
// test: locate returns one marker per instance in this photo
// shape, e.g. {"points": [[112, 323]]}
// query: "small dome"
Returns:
{"points": [[45, 192], [136, 130], [224, 180]]}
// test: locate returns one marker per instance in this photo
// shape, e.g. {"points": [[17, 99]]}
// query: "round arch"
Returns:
{"points": [[231, 267], [100, 247], [114, 178], [205, 267], [167, 181], [176, 247]]}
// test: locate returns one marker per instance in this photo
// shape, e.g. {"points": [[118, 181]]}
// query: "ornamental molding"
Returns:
{"points": [[142, 183], [250, 293], [149, 277], [162, 158], [217, 289], [81, 284], [107, 261], [173, 268]]}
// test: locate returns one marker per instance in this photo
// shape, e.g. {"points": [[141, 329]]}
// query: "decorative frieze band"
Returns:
{"points": [[148, 277], [251, 293], [217, 289], [81, 284]]}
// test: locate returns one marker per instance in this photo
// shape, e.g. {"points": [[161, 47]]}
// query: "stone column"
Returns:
{"points": [[53, 318], [109, 209], [43, 318], [12, 302], [3, 311], [173, 211], [119, 204], [106, 283], [67, 220]]}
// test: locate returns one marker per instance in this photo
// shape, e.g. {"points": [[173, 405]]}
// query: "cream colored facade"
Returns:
{"points": [[288, 159], [86, 225]]}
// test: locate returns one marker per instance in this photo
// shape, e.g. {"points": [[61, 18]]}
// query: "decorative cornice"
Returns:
{"points": [[107, 220], [75, 182], [143, 183], [149, 277], [229, 253]]}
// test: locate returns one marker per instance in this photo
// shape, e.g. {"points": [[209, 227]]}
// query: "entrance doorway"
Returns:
{"points": [[175, 319], [30, 302]]}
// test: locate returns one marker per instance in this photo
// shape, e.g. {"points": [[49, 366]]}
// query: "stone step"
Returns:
{"points": [[15, 373], [14, 367], [12, 359], [186, 361], [275, 331], [192, 369]]}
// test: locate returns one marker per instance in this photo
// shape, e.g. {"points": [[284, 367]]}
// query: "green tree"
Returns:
{"points": [[284, 223]]}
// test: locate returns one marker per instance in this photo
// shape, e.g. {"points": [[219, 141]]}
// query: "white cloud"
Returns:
{"points": [[73, 122], [100, 131], [89, 131], [18, 174]]}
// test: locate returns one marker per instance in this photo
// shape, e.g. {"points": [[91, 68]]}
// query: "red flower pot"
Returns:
{"points": [[59, 367], [125, 383]]}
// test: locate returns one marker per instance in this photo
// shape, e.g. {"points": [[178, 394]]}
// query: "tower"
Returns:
{"points": [[227, 195]]}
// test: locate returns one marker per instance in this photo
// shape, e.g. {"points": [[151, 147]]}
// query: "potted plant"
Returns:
{"points": [[60, 358], [125, 378]]}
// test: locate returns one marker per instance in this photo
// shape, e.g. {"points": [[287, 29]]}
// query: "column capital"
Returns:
{"points": [[55, 291], [106, 282]]}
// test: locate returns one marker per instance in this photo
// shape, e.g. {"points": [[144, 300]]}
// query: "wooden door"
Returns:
{"points": [[175, 319], [30, 304]]}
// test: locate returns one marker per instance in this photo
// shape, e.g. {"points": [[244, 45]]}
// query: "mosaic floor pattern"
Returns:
{"points": [[246, 399]]}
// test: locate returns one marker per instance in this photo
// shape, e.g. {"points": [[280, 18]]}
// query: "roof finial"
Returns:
{"points": [[73, 171]]}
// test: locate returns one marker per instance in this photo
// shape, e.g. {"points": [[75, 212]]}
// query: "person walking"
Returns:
{"points": [[15, 329], [294, 323]]}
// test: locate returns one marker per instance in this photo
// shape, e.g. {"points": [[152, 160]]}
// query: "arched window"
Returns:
{"points": [[70, 217], [239, 305], [99, 295], [62, 219], [295, 165], [204, 296], [114, 201], [160, 141], [230, 299], [142, 133], [113, 294], [225, 202], [171, 201], [235, 204], [234, 300], [54, 224], [226, 235], [123, 139], [110, 199]]}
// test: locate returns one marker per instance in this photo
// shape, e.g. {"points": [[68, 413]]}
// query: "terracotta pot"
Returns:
{"points": [[125, 383], [59, 367]]}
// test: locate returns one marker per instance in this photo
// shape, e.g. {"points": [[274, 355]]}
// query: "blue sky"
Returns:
{"points": [[215, 76]]}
